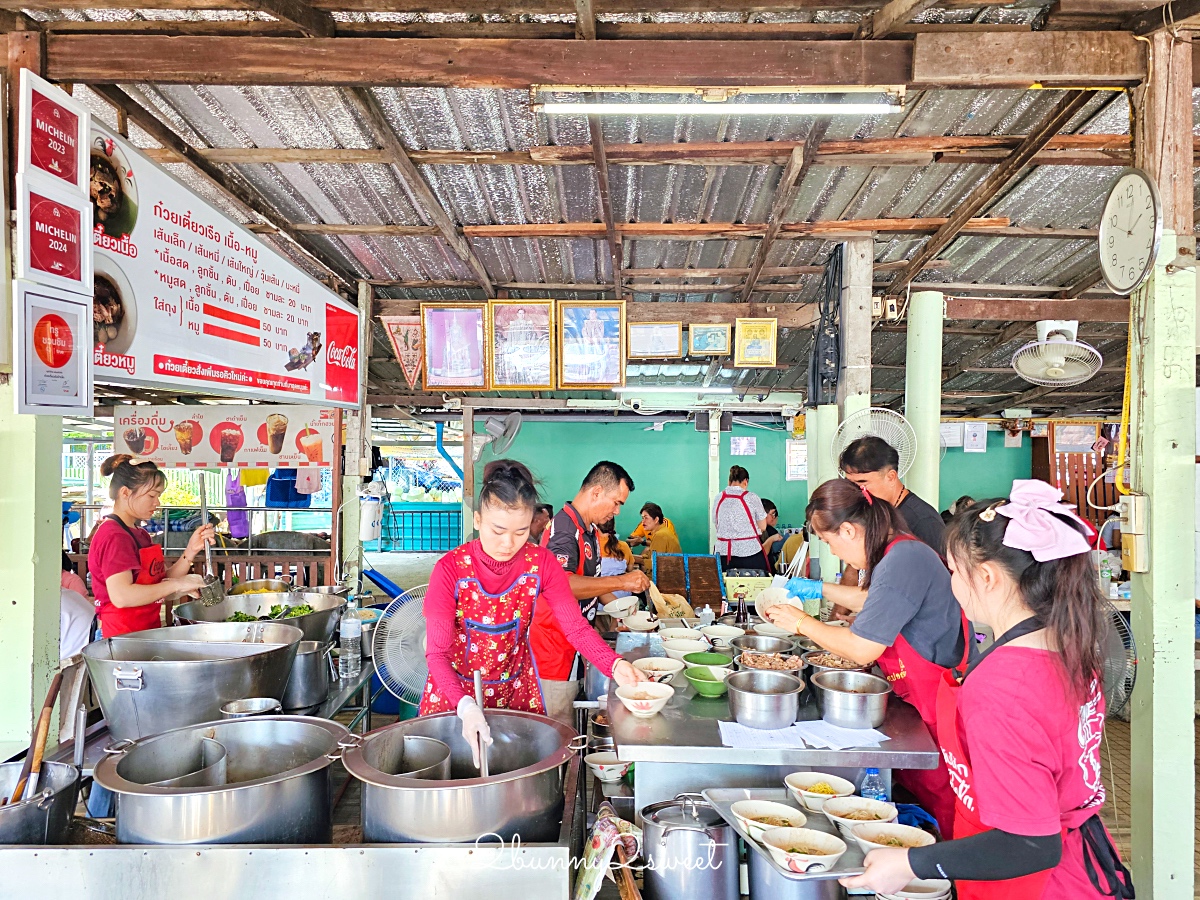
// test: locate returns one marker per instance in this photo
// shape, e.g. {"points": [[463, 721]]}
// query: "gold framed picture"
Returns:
{"points": [[452, 337], [755, 343], [520, 337], [591, 343], [655, 340], [709, 340]]}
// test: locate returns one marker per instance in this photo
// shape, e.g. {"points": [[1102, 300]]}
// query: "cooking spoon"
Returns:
{"points": [[483, 760], [213, 591]]}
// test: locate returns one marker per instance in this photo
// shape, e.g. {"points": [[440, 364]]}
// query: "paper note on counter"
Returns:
{"points": [[821, 734]]}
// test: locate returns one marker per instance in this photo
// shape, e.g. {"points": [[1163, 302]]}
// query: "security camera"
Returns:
{"points": [[636, 405]]}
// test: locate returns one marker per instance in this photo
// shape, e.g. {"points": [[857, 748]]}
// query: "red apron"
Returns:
{"points": [[493, 638], [116, 620], [916, 680], [741, 498], [555, 654]]}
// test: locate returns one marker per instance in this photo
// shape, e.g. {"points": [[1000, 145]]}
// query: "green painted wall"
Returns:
{"points": [[670, 468]]}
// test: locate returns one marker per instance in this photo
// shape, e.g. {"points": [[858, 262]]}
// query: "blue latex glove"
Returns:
{"points": [[804, 588]]}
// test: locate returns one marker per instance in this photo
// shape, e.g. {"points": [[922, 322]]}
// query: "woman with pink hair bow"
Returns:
{"points": [[1020, 727]]}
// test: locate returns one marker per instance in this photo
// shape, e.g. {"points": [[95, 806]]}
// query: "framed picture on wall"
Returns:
{"points": [[709, 340], [521, 344], [591, 342], [655, 340], [755, 343], [452, 338], [1074, 438]]}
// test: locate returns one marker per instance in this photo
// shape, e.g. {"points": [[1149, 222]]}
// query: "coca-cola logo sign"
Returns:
{"points": [[344, 356], [341, 354]]}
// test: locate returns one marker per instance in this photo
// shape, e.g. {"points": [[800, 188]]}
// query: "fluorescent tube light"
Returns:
{"points": [[671, 389], [718, 109]]}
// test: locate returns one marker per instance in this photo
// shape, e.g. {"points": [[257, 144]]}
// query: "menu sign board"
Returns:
{"points": [[53, 132], [186, 299], [52, 372], [211, 437]]}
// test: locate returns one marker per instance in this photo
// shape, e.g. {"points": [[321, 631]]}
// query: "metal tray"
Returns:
{"points": [[722, 799]]}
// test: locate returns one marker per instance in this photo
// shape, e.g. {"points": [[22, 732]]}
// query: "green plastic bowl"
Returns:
{"points": [[705, 683], [719, 660]]}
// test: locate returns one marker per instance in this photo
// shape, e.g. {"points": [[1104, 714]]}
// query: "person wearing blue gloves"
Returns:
{"points": [[909, 624]]}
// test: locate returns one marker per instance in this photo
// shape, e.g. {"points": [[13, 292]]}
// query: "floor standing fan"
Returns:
{"points": [[883, 423], [399, 646], [1119, 653]]}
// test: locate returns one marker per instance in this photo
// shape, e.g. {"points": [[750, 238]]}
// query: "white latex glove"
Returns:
{"points": [[475, 729]]}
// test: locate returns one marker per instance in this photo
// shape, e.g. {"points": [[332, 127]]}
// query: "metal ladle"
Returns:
{"points": [[213, 591], [483, 752]]}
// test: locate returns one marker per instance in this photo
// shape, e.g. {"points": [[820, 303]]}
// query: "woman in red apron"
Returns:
{"points": [[909, 624], [130, 577], [740, 518], [1021, 727], [480, 605]]}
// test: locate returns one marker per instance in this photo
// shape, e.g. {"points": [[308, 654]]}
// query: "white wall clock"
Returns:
{"points": [[1130, 231]]}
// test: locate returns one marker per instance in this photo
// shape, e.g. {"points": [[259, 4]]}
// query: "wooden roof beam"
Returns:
{"points": [[987, 190], [416, 186], [1018, 311], [982, 349], [1177, 14], [888, 20], [785, 193], [790, 315], [1023, 399], [299, 13]]}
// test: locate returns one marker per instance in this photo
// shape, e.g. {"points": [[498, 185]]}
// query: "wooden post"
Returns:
{"points": [[1163, 446], [854, 385], [468, 479]]}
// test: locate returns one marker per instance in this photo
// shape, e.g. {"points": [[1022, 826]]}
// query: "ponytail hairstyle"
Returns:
{"points": [[1063, 593], [609, 542], [839, 501], [508, 483], [738, 474], [131, 472]]}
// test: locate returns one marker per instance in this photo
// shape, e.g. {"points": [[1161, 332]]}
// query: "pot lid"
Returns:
{"points": [[683, 810]]}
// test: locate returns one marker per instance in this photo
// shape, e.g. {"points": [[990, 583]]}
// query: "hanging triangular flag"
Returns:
{"points": [[405, 335]]}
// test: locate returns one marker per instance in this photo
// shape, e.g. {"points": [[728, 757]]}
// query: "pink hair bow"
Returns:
{"points": [[1033, 525]]}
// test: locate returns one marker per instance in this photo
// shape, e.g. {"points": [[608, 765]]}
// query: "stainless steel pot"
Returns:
{"points": [[319, 625], [853, 699], [339, 590], [273, 585], [763, 699], [276, 786], [152, 681], [767, 884], [312, 674], [522, 797], [818, 669], [595, 683], [757, 643], [44, 817], [407, 755], [690, 851], [252, 706]]}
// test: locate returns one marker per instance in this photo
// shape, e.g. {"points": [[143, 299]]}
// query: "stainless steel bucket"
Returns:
{"points": [[522, 797], [853, 699], [44, 817], [312, 674], [319, 625], [768, 884], [276, 786], [759, 698], [690, 851], [272, 585], [152, 681], [251, 706]]}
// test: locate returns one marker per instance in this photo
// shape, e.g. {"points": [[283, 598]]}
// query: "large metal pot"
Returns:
{"points": [[766, 883], [339, 590], [852, 699], [759, 698], [319, 625], [275, 787], [690, 851], [44, 816], [522, 797], [312, 674], [757, 643], [152, 681], [257, 585]]}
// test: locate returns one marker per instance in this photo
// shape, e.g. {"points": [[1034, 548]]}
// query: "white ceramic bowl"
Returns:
{"points": [[679, 649], [680, 634], [920, 889], [639, 621], [659, 668], [767, 629], [873, 836], [606, 767], [778, 840], [799, 782], [837, 809], [721, 635], [621, 607], [657, 696], [745, 812]]}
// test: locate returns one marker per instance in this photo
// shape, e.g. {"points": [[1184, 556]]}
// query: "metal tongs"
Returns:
{"points": [[213, 591], [483, 752]]}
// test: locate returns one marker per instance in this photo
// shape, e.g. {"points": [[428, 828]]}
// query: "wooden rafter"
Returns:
{"points": [[1177, 14], [416, 186], [1082, 285], [887, 21], [982, 349], [790, 315], [987, 190], [1019, 400], [311, 22], [785, 193], [585, 21], [229, 183], [1025, 311]]}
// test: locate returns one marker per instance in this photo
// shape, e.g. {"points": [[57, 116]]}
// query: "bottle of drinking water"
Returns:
{"points": [[873, 787], [350, 645]]}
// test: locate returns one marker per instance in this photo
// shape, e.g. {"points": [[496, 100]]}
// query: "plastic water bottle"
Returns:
{"points": [[706, 616], [350, 645], [872, 786]]}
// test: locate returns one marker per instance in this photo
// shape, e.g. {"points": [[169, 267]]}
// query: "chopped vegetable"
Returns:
{"points": [[280, 611], [242, 617], [772, 821], [803, 850]]}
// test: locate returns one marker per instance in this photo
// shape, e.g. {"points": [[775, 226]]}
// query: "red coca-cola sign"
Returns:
{"points": [[341, 354], [55, 239], [54, 138]]}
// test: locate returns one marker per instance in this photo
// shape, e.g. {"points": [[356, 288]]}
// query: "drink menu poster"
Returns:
{"points": [[189, 300], [212, 437]]}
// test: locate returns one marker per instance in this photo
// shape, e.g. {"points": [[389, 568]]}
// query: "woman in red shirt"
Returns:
{"points": [[130, 577], [479, 608], [1020, 729]]}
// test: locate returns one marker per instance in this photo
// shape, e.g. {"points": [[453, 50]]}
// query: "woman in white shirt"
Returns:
{"points": [[740, 519]]}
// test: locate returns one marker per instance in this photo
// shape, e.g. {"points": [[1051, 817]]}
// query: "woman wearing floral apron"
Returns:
{"points": [[479, 607], [1028, 711], [909, 624]]}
